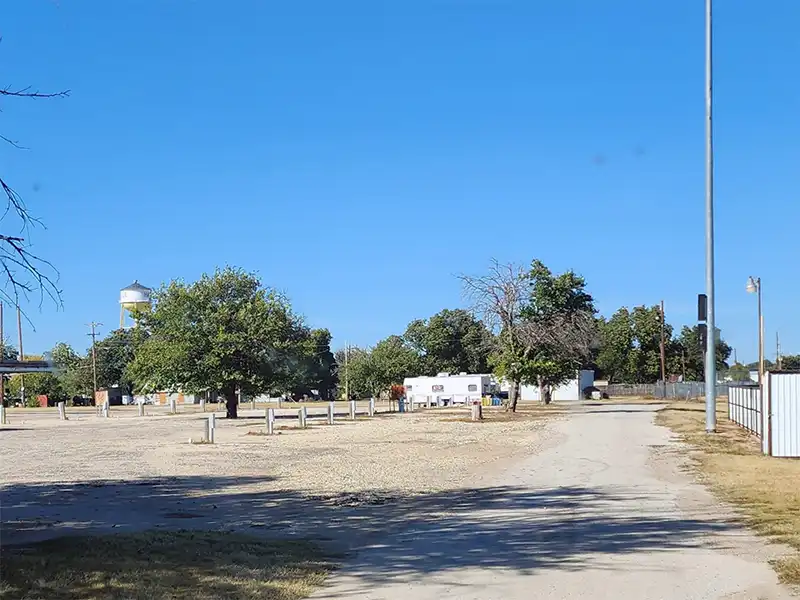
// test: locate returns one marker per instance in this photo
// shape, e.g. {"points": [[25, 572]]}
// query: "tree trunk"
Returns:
{"points": [[231, 403], [548, 394], [513, 395]]}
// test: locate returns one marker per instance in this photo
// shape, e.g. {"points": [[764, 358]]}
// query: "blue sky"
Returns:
{"points": [[357, 155]]}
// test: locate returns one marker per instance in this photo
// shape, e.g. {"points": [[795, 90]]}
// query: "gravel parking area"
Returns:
{"points": [[131, 473]]}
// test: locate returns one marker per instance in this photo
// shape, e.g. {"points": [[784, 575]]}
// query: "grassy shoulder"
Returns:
{"points": [[767, 490], [178, 565]]}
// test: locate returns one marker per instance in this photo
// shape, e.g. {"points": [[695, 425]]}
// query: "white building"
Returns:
{"points": [[448, 389], [571, 390]]}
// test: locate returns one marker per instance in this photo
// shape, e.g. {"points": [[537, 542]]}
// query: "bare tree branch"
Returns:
{"points": [[24, 271], [496, 297], [27, 93]]}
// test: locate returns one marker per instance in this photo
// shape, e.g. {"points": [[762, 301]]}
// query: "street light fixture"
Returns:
{"points": [[754, 287]]}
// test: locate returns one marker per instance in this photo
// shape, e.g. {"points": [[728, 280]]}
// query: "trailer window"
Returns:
{"points": [[437, 388], [408, 388], [472, 387]]}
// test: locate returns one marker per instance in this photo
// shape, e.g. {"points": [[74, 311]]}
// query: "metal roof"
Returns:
{"points": [[136, 287]]}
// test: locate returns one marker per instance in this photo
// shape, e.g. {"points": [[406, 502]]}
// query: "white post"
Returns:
{"points": [[105, 409], [301, 417], [372, 407], [270, 421], [206, 431], [141, 408], [212, 425], [173, 405], [202, 405], [2, 414], [253, 403], [352, 410], [62, 411], [477, 412], [410, 404], [331, 409], [428, 403]]}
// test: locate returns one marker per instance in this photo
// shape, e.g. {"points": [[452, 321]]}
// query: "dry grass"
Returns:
{"points": [[528, 411], [766, 489], [178, 565]]}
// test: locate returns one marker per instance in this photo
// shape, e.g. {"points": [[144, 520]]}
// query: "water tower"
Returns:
{"points": [[135, 298]]}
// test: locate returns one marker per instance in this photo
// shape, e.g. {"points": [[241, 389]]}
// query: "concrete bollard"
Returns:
{"points": [[372, 407], [428, 402], [105, 409], [352, 410], [302, 415], [202, 405], [2, 415], [477, 412], [211, 426], [62, 411], [173, 405], [253, 404], [411, 405], [140, 406], [270, 421], [331, 412]]}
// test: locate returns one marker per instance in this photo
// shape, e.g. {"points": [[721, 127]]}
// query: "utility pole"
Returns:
{"points": [[711, 338], [778, 358], [346, 372], [94, 325], [663, 348], [21, 356]]}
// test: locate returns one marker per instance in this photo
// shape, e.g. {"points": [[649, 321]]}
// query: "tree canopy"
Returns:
{"points": [[545, 323], [223, 332], [451, 341]]}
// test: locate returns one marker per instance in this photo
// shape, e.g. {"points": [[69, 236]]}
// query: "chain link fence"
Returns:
{"points": [[682, 389]]}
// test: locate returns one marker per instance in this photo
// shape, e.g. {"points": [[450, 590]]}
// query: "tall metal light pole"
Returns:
{"points": [[711, 338], [753, 287]]}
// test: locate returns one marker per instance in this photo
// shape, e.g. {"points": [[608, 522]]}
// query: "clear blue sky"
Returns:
{"points": [[359, 154]]}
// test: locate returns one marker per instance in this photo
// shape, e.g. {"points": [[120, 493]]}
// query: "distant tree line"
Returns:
{"points": [[229, 334]]}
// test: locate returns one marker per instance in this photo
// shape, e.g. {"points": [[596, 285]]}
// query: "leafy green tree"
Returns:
{"points": [[74, 371], [545, 322], [690, 352], [451, 341], [354, 372], [115, 354], [224, 332], [790, 362], [738, 372], [559, 327], [368, 372], [314, 363], [630, 345]]}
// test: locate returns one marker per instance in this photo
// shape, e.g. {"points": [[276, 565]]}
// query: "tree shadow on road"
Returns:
{"points": [[387, 535]]}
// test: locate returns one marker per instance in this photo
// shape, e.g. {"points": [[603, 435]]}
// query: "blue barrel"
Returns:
{"points": [[401, 405]]}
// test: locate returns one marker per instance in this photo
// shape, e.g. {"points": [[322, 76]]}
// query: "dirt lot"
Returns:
{"points": [[129, 473]]}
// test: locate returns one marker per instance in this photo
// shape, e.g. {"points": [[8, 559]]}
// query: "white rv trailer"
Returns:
{"points": [[444, 389]]}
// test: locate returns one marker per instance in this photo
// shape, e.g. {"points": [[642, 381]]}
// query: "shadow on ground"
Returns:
{"points": [[386, 534]]}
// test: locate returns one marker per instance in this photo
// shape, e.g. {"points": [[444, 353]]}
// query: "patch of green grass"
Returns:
{"points": [[156, 565]]}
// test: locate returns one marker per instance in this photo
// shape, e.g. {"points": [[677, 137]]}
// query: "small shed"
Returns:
{"points": [[571, 390]]}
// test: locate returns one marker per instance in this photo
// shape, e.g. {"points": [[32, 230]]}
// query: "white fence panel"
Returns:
{"points": [[783, 437], [744, 407]]}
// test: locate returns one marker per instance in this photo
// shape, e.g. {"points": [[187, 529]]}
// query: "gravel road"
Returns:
{"points": [[605, 512]]}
